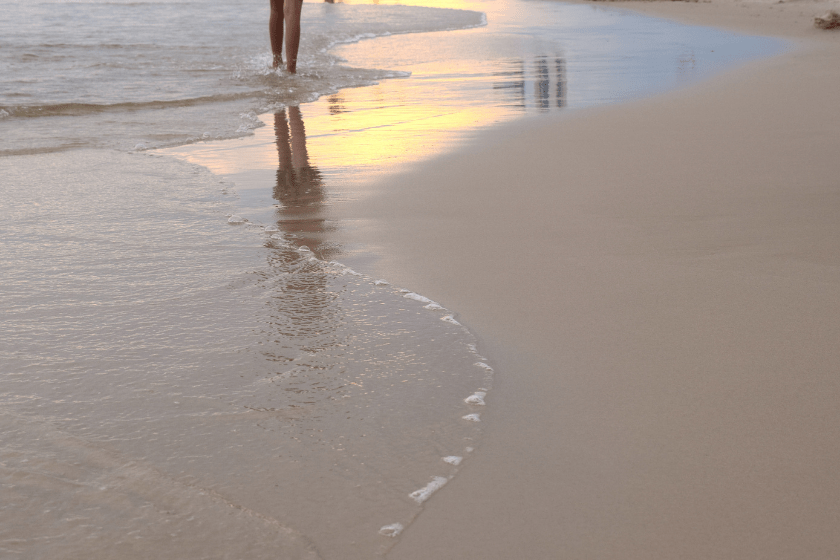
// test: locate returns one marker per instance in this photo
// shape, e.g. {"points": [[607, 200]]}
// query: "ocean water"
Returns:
{"points": [[203, 67], [179, 388], [188, 367]]}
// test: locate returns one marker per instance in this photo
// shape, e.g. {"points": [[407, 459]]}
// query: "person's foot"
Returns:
{"points": [[278, 61]]}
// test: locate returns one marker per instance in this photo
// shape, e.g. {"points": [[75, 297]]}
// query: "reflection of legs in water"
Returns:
{"points": [[560, 65], [542, 83], [288, 12], [299, 187], [295, 177], [300, 157], [285, 171]]}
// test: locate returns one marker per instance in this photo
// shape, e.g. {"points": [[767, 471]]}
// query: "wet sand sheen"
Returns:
{"points": [[658, 282], [587, 293], [181, 385], [432, 226]]}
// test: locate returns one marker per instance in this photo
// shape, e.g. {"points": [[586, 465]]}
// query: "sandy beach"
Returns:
{"points": [[485, 279], [657, 284]]}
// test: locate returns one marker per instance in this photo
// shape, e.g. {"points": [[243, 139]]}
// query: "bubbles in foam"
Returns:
{"points": [[271, 229], [391, 530], [277, 236], [304, 249], [433, 306], [426, 492], [484, 366], [476, 398], [236, 220], [450, 319], [471, 417], [417, 297], [453, 460], [381, 283], [474, 349]]}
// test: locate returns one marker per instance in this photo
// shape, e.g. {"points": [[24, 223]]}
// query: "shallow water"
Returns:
{"points": [[532, 59], [165, 373], [185, 369], [102, 73]]}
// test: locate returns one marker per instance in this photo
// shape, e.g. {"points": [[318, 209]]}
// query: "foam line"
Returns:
{"points": [[417, 297], [391, 530], [426, 492], [474, 349], [450, 319], [476, 398]]}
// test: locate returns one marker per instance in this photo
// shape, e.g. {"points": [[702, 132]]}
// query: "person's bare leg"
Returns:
{"points": [[292, 14], [275, 31]]}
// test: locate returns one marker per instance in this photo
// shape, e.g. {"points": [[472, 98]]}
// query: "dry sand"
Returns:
{"points": [[658, 284]]}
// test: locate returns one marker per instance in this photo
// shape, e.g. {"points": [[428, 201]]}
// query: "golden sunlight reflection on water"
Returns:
{"points": [[363, 131], [532, 58]]}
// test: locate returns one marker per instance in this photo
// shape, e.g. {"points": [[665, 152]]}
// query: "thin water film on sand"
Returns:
{"points": [[172, 385], [185, 369]]}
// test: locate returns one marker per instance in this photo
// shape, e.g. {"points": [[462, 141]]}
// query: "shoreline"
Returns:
{"points": [[569, 244], [656, 281]]}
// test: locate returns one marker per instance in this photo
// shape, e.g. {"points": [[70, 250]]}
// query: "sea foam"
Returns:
{"points": [[426, 492], [391, 530], [476, 398], [417, 297], [450, 319]]}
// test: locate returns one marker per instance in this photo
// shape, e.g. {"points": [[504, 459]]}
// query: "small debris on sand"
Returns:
{"points": [[829, 20]]}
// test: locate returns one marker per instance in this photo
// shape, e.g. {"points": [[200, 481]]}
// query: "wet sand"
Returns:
{"points": [[657, 283]]}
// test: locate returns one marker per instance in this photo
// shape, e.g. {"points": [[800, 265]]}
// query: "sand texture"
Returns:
{"points": [[658, 284]]}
